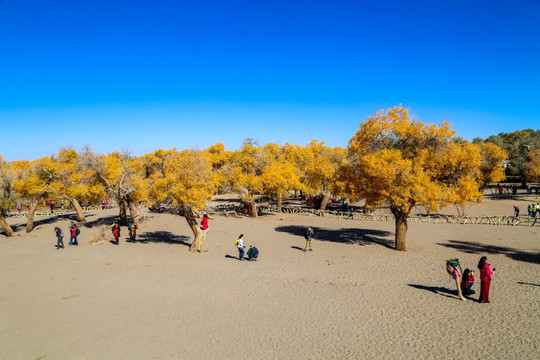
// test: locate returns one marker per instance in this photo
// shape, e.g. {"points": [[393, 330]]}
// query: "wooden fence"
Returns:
{"points": [[430, 219], [59, 211]]}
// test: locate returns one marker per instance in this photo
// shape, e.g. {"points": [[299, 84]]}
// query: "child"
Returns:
{"points": [[467, 282]]}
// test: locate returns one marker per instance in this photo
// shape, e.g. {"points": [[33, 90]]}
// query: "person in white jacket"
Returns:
{"points": [[240, 246]]}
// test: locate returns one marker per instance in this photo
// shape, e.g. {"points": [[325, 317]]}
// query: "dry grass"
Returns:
{"points": [[100, 234]]}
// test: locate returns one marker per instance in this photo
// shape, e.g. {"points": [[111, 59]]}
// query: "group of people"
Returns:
{"points": [[252, 253], [467, 280], [533, 210], [74, 231]]}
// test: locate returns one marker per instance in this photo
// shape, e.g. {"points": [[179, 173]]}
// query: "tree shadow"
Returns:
{"points": [[436, 290], [344, 235], [165, 237], [477, 248]]}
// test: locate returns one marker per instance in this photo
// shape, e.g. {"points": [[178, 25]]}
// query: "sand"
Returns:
{"points": [[353, 297]]}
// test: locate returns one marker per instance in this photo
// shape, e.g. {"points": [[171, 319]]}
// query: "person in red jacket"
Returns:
{"points": [[116, 232], [485, 279], [467, 282], [204, 222]]}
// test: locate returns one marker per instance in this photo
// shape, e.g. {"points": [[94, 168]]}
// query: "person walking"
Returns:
{"points": [[485, 279], [59, 237], [74, 232], [308, 236], [240, 245], [116, 232], [132, 228], [516, 211]]}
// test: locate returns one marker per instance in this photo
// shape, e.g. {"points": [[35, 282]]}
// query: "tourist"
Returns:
{"points": [[252, 253], [132, 228], [60, 237], [467, 282], [308, 236], [74, 231], [116, 232], [240, 245], [516, 211], [485, 279]]}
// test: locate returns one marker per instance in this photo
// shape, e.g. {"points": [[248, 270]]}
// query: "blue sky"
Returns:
{"points": [[142, 75]]}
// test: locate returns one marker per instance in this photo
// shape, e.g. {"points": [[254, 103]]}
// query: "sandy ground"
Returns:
{"points": [[353, 297]]}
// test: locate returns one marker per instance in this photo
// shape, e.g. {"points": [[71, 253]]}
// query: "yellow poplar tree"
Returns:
{"points": [[122, 176], [320, 168], [186, 181], [244, 174], [402, 163], [532, 171], [34, 184]]}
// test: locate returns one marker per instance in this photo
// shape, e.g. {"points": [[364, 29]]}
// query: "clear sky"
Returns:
{"points": [[142, 75]]}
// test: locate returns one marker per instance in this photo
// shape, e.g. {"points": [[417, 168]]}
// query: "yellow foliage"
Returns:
{"points": [[400, 162], [532, 172], [187, 179]]}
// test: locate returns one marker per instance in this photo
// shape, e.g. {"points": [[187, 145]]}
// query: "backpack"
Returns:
{"points": [[236, 242], [77, 231], [450, 264]]}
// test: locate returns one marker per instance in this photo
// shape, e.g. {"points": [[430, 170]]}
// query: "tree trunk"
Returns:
{"points": [[279, 203], [133, 212], [31, 212], [78, 209], [123, 213], [401, 227], [324, 200], [200, 235], [7, 229], [253, 208]]}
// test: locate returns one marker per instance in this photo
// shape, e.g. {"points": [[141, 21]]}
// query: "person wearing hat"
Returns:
{"points": [[252, 253]]}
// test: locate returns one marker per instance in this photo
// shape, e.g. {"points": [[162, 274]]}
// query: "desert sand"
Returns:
{"points": [[353, 297]]}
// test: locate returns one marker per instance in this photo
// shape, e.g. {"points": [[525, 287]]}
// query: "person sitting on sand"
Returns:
{"points": [[467, 282], [252, 253]]}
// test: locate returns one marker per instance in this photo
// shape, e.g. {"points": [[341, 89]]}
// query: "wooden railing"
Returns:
{"points": [[59, 211], [430, 219]]}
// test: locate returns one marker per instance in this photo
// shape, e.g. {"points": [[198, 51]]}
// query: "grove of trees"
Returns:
{"points": [[392, 161]]}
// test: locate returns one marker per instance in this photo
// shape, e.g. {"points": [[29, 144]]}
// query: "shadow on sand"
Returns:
{"points": [[476, 248], [438, 290], [165, 237], [345, 235]]}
